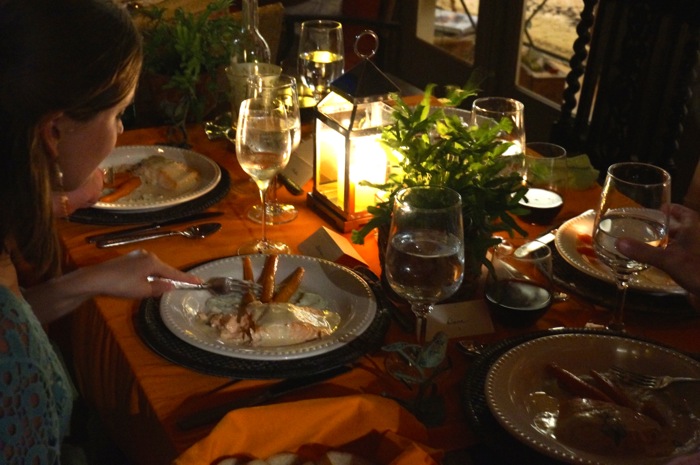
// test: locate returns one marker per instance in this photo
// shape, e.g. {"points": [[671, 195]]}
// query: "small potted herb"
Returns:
{"points": [[435, 147], [185, 54]]}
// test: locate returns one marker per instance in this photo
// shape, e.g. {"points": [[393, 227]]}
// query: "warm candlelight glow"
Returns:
{"points": [[348, 147], [368, 163]]}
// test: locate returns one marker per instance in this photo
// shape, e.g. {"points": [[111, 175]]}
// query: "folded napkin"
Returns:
{"points": [[581, 173], [372, 427]]}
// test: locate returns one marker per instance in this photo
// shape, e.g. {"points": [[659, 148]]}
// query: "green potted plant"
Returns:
{"points": [[437, 148], [185, 54]]}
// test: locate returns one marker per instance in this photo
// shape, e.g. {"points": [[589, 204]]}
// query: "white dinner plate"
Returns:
{"points": [[566, 241], [347, 294], [209, 176], [520, 372]]}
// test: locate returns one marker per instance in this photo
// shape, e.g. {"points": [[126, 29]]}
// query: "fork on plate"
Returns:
{"points": [[217, 285], [648, 381]]}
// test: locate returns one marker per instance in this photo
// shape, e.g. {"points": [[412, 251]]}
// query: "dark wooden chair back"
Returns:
{"points": [[627, 95]]}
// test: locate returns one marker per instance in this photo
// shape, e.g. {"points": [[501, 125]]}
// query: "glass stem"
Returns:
{"points": [[272, 193], [263, 194], [421, 311], [617, 321]]}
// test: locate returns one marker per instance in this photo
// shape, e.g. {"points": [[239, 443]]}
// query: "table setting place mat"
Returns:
{"points": [[113, 218], [156, 335], [504, 447], [604, 294]]}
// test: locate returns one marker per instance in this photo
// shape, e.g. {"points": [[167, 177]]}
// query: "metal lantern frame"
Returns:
{"points": [[354, 111]]}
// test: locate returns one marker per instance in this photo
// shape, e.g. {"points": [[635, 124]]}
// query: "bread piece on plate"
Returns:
{"points": [[168, 174]]}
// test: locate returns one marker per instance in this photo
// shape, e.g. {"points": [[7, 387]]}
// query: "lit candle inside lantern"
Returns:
{"points": [[368, 163]]}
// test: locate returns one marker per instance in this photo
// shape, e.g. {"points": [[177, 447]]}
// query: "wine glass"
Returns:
{"points": [[425, 252], [263, 147], [634, 203], [546, 177], [238, 76], [321, 55], [492, 110], [283, 88]]}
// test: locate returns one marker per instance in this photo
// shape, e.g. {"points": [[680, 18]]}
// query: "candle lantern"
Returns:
{"points": [[347, 148]]}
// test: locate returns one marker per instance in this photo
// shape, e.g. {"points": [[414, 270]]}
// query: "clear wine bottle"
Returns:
{"points": [[250, 46]]}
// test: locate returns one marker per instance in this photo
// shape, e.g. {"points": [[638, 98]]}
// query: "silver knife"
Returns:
{"points": [[216, 413], [544, 238], [151, 226]]}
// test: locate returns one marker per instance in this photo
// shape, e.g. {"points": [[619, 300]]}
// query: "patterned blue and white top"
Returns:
{"points": [[35, 391]]}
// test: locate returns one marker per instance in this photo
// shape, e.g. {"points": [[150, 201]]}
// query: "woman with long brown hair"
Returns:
{"points": [[68, 70]]}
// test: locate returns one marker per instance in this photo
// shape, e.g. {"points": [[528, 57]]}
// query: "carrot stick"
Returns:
{"points": [[267, 278], [119, 178], [611, 390], [290, 286], [248, 269], [125, 189], [575, 385]]}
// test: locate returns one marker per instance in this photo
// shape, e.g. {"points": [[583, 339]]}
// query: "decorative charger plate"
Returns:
{"points": [[209, 176], [520, 372], [567, 242], [346, 293]]}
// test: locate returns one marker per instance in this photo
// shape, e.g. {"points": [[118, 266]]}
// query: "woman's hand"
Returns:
{"points": [[127, 275], [124, 277]]}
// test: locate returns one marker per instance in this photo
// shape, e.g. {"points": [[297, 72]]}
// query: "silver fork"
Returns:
{"points": [[217, 285], [648, 381]]}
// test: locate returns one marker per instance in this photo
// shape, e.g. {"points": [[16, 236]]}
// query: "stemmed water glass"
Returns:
{"points": [[425, 252], [284, 89], [263, 147], [321, 55], [489, 111], [634, 204]]}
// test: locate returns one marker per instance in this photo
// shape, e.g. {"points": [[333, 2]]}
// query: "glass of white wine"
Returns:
{"points": [[321, 55], [263, 147], [284, 89], [634, 203], [425, 252]]}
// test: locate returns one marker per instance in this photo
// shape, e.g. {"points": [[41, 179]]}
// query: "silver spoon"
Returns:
{"points": [[198, 231]]}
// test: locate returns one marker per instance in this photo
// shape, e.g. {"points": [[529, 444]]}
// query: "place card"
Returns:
{"points": [[328, 244], [459, 319], [300, 167]]}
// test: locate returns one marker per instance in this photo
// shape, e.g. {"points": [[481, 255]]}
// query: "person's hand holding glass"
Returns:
{"points": [[634, 204], [425, 252], [263, 147], [284, 89], [321, 55]]}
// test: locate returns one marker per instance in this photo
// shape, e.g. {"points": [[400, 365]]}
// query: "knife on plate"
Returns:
{"points": [[151, 226], [544, 238], [216, 413]]}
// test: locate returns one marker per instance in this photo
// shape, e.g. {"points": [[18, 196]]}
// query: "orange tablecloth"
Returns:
{"points": [[140, 395]]}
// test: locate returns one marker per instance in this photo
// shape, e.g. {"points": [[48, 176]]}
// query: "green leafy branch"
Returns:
{"points": [[437, 148], [186, 47]]}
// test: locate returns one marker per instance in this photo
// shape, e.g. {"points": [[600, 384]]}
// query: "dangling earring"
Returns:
{"points": [[63, 198]]}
